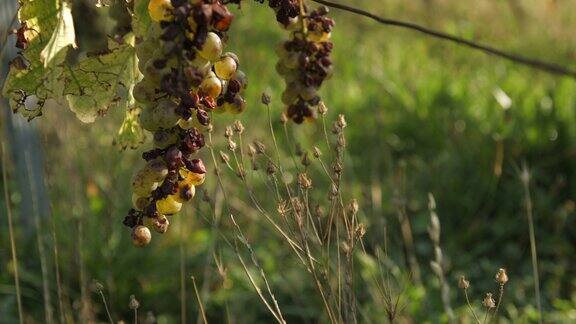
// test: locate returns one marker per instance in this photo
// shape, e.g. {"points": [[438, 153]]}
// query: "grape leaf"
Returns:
{"points": [[62, 37], [99, 82], [89, 88]]}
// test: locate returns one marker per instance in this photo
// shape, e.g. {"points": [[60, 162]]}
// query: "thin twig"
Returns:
{"points": [[202, 312], [106, 306], [470, 306], [552, 68], [525, 179], [11, 234]]}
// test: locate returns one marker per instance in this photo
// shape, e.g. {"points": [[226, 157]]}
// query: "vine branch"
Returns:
{"points": [[552, 68]]}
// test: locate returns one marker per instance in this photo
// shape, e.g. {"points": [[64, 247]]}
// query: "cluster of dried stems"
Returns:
{"points": [[310, 215]]}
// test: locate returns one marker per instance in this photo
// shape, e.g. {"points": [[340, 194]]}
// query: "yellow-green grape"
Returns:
{"points": [[192, 178], [185, 193], [202, 64], [212, 48], [308, 93], [165, 137], [168, 206], [160, 10], [189, 123], [291, 60], [290, 94], [238, 106], [318, 36], [211, 85], [144, 91], [241, 76], [281, 51], [155, 170], [147, 119], [141, 236], [281, 68], [225, 68], [139, 202], [164, 114], [142, 186]]}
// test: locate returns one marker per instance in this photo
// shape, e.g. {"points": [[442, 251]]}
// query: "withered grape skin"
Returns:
{"points": [[141, 236], [186, 77]]}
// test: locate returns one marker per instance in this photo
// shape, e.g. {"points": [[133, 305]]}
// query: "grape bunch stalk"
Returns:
{"points": [[186, 77], [304, 60]]}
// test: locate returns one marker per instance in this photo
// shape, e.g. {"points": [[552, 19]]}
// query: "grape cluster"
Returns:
{"points": [[186, 78], [304, 59]]}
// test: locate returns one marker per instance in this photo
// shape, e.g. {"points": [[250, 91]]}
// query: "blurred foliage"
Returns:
{"points": [[423, 117]]}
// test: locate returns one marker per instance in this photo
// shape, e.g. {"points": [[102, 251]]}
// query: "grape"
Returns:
{"points": [[141, 236], [292, 60], [189, 123], [143, 187], [147, 121], [192, 178], [211, 85], [185, 193], [168, 206], [242, 78], [139, 202], [160, 10], [320, 37], [308, 93], [164, 113], [225, 68], [202, 64], [212, 48], [291, 92], [238, 106], [156, 170], [185, 76], [164, 138], [281, 68], [160, 224], [144, 91]]}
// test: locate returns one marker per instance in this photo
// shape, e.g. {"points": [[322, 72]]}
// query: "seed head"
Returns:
{"points": [[251, 150], [322, 109], [260, 147], [266, 99], [316, 152], [224, 158], [97, 286], [337, 168], [353, 207], [238, 127], [341, 140], [134, 303], [271, 168], [304, 181], [463, 283], [501, 277], [228, 133], [232, 145], [488, 301], [341, 122]]}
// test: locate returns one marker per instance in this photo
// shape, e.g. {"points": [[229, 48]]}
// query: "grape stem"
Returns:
{"points": [[537, 64]]}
